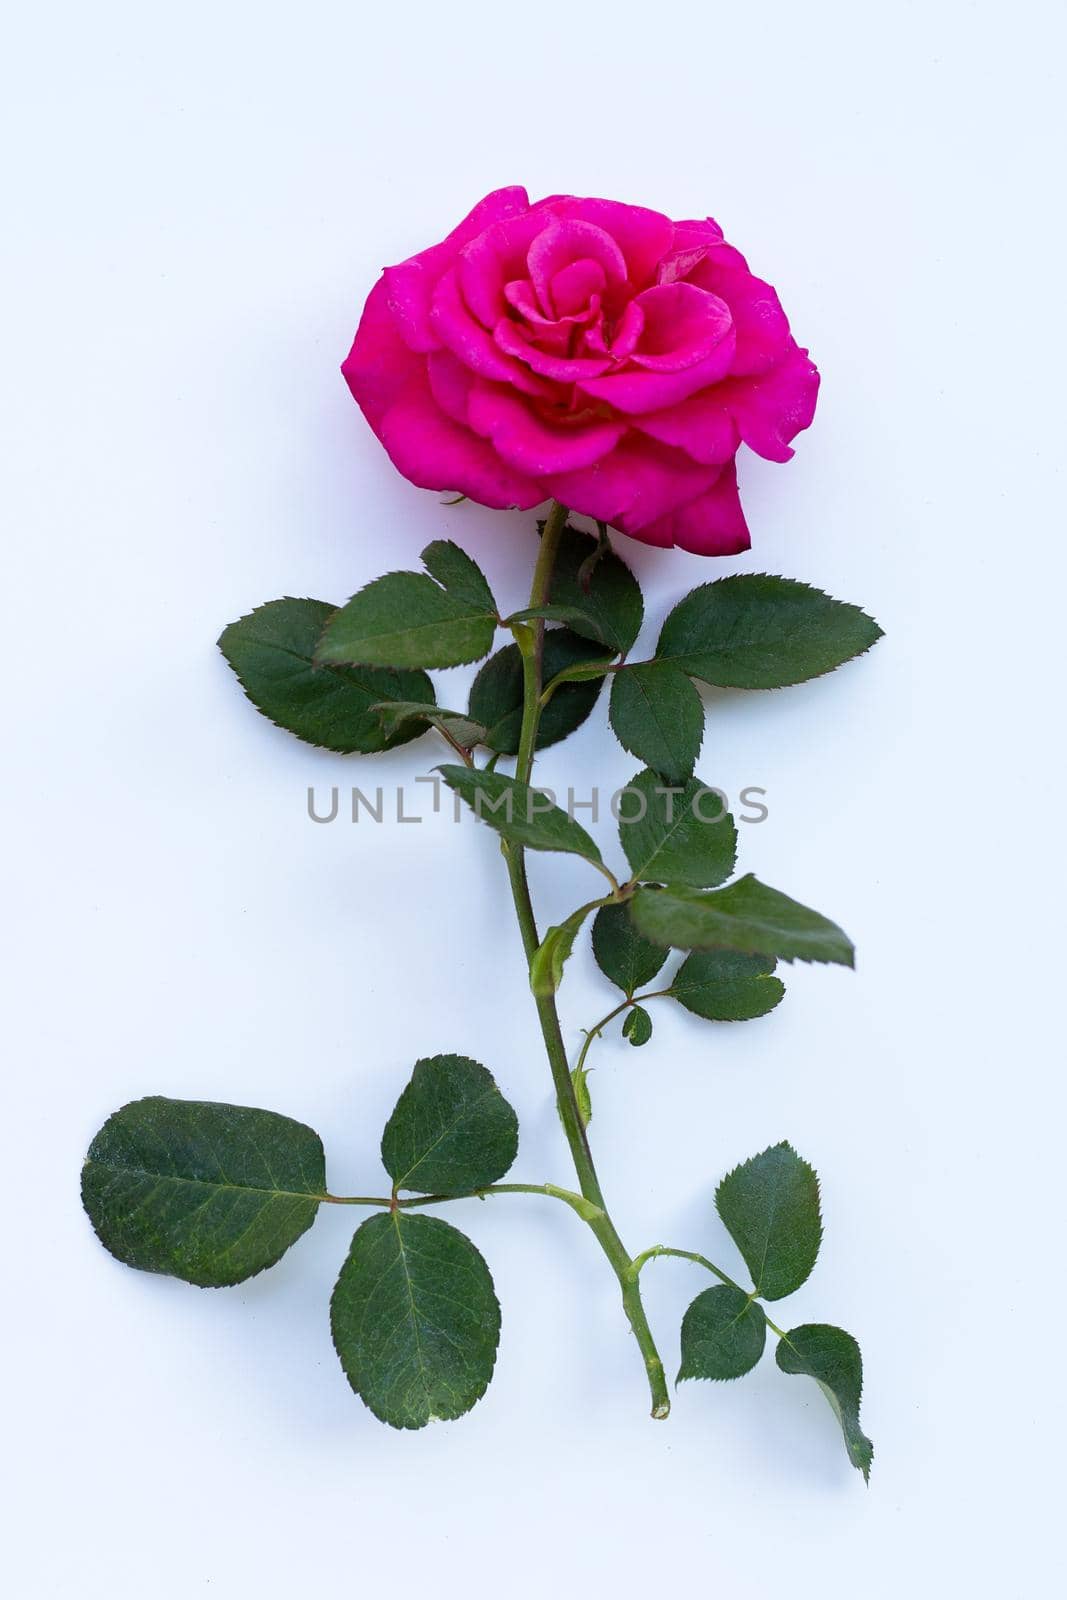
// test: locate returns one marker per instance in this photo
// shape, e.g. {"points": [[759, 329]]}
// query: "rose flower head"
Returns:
{"points": [[586, 351]]}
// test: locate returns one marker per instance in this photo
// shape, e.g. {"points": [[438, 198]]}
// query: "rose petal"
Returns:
{"points": [[434, 452], [411, 283], [573, 287], [639, 392], [637, 484], [682, 325], [643, 236], [563, 369], [773, 408], [530, 442], [457, 330], [760, 324], [379, 363], [487, 263], [712, 524], [624, 340], [695, 240], [565, 240], [450, 384], [702, 426]]}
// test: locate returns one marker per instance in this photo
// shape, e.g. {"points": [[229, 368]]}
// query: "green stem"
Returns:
{"points": [[702, 1261], [576, 1202], [684, 1255], [598, 1027], [530, 644], [540, 591]]}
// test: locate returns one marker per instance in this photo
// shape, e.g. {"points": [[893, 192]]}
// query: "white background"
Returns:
{"points": [[200, 196]]}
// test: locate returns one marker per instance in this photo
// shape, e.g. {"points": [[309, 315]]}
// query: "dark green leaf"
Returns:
{"points": [[659, 717], [771, 1207], [523, 815], [496, 693], [415, 1319], [451, 1131], [832, 1357], [397, 714], [680, 834], [546, 968], [622, 954], [603, 590], [727, 985], [637, 1026], [723, 1334], [455, 571], [753, 631], [746, 915], [406, 620], [205, 1192], [271, 651]]}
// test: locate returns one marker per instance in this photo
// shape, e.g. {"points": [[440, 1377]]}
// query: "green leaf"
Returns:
{"points": [[522, 815], [746, 915], [415, 1320], [771, 1207], [753, 631], [406, 620], [546, 968], [451, 1130], [580, 1080], [455, 571], [397, 713], [496, 693], [602, 590], [659, 717], [832, 1357], [679, 834], [272, 649], [723, 1334], [637, 1026], [208, 1193], [727, 985], [623, 955]]}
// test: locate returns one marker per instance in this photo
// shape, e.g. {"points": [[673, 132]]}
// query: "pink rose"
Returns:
{"points": [[591, 352]]}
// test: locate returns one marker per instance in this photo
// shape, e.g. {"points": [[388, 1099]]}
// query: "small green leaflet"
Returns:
{"points": [[723, 1334], [591, 581], [622, 954], [676, 834], [727, 985], [496, 693], [397, 714], [415, 1319], [753, 631], [272, 649], [455, 571], [658, 716], [770, 1205], [546, 968], [832, 1357], [746, 915], [522, 815], [451, 1131], [406, 619], [576, 619], [637, 1026], [208, 1193], [580, 1080]]}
